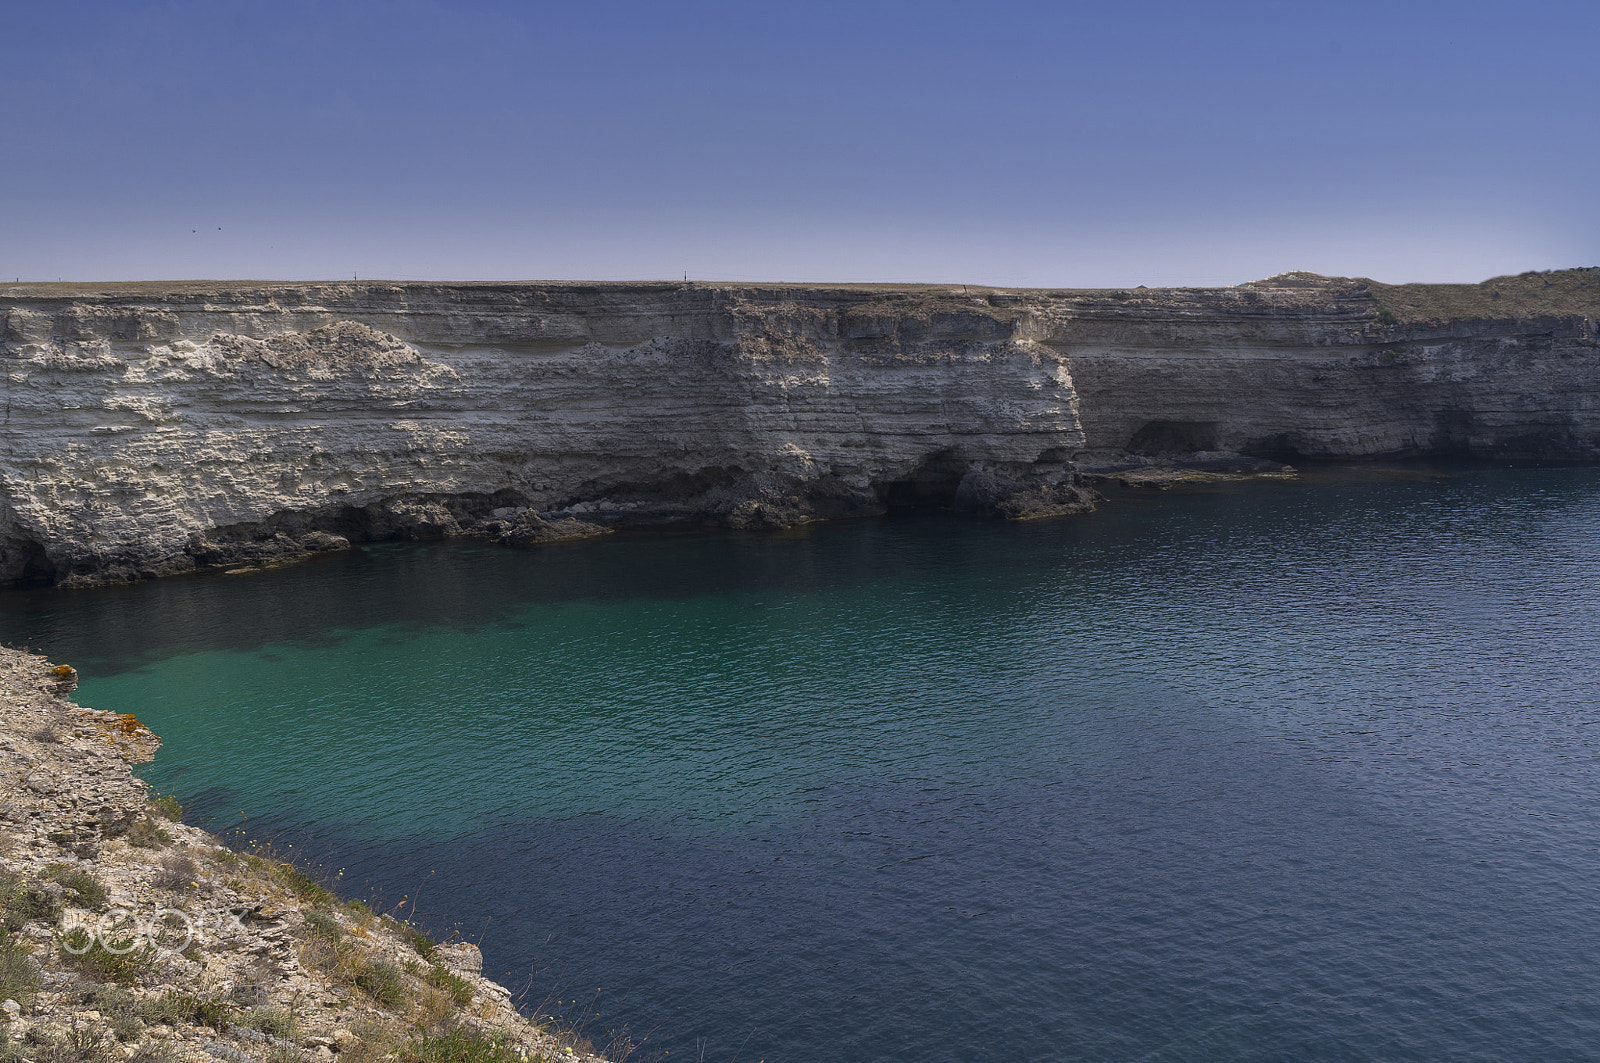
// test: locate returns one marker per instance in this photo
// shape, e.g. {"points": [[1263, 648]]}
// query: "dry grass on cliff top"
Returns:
{"points": [[1554, 292], [1551, 292]]}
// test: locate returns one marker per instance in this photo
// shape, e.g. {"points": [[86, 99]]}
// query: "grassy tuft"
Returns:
{"points": [[120, 1008], [418, 939], [153, 1053], [175, 1008], [322, 924], [435, 1010], [84, 1044], [146, 835], [167, 807], [20, 977], [304, 886], [459, 989], [274, 1022], [461, 1046], [89, 891], [377, 1041], [381, 980], [178, 874], [122, 963], [24, 902]]}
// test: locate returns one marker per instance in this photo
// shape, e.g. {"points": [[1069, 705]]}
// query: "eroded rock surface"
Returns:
{"points": [[152, 429]]}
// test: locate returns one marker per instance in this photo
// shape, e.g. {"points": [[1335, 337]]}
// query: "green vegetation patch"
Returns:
{"points": [[418, 939], [381, 980], [20, 976], [274, 1022], [23, 902], [322, 924], [459, 989], [118, 1007], [122, 962], [153, 1053], [167, 807], [175, 1008], [87, 890], [461, 1046], [303, 885], [146, 835], [77, 1044]]}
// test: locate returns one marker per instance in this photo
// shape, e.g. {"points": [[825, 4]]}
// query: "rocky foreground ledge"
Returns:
{"points": [[125, 935]]}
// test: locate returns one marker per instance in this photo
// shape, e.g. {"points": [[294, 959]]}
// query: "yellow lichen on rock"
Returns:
{"points": [[123, 732]]}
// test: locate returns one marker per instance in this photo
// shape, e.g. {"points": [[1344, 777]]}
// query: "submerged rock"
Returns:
{"points": [[981, 491]]}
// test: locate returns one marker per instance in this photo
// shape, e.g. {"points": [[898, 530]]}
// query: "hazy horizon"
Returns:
{"points": [[700, 281], [1023, 145]]}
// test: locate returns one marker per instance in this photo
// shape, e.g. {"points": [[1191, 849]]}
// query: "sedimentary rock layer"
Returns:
{"points": [[155, 428]]}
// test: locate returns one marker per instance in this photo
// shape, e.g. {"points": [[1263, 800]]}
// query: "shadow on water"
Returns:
{"points": [[405, 585], [466, 586]]}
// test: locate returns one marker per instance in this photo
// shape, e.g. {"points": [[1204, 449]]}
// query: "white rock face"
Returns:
{"points": [[149, 432], [1298, 373], [151, 429]]}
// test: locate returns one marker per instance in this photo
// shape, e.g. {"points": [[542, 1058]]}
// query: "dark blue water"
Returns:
{"points": [[1271, 772]]}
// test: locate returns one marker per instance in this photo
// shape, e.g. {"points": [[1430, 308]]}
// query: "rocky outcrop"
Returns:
{"points": [[127, 936], [154, 431], [157, 428], [1306, 367]]}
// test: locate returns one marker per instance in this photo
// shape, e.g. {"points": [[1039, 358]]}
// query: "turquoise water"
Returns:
{"points": [[1266, 772]]}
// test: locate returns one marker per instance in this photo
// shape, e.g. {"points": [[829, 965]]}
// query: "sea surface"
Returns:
{"points": [[1303, 771]]}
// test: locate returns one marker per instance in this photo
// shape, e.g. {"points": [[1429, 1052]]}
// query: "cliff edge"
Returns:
{"points": [[158, 428]]}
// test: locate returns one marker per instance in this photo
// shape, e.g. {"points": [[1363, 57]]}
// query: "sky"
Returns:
{"points": [[1006, 143]]}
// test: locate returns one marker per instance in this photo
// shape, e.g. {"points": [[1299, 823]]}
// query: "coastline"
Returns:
{"points": [[129, 935], [159, 428]]}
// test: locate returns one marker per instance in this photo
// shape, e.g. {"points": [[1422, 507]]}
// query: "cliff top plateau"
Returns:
{"points": [[1555, 292]]}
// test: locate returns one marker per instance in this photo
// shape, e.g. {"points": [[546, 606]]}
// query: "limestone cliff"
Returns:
{"points": [[1302, 366], [155, 428]]}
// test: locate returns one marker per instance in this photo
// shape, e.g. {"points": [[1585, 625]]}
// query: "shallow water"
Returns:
{"points": [[1269, 772]]}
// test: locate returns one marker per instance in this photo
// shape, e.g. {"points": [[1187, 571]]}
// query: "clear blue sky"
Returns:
{"points": [[1015, 143]]}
